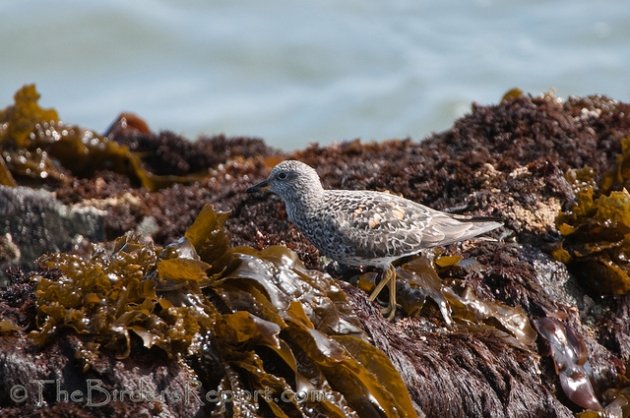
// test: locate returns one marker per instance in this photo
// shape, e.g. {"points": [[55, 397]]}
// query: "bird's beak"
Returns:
{"points": [[262, 185]]}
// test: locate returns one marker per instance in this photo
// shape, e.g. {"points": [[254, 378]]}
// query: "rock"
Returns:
{"points": [[33, 222], [61, 381], [507, 161]]}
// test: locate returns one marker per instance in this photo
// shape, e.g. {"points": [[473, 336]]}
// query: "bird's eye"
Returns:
{"points": [[282, 175]]}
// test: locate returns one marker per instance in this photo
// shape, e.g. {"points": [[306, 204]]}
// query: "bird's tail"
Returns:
{"points": [[462, 228], [480, 224], [481, 227]]}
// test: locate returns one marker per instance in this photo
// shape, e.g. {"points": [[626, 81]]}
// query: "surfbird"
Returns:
{"points": [[362, 227]]}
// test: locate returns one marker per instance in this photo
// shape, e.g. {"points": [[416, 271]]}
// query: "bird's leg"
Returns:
{"points": [[388, 278], [392, 293], [379, 286]]}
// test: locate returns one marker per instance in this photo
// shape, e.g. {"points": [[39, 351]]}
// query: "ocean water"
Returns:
{"points": [[294, 72]]}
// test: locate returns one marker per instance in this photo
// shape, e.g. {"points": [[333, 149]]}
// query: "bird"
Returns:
{"points": [[361, 228]]}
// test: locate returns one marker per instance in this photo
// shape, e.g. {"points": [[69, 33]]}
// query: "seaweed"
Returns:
{"points": [[512, 94], [116, 292], [510, 323], [596, 231], [6, 178], [24, 116], [618, 177], [595, 246], [8, 326], [278, 329], [617, 401], [37, 146], [425, 284], [421, 283], [618, 404], [569, 355]]}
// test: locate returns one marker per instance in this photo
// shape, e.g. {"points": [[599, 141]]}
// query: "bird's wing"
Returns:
{"points": [[444, 229], [388, 225]]}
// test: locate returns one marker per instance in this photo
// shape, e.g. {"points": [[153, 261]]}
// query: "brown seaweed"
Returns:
{"points": [[37, 145], [250, 305], [506, 160], [420, 283], [570, 359], [596, 239]]}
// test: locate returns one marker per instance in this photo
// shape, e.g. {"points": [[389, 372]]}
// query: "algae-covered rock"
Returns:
{"points": [[273, 326], [266, 317]]}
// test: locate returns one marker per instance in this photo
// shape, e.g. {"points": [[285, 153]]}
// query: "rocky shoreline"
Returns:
{"points": [[533, 324]]}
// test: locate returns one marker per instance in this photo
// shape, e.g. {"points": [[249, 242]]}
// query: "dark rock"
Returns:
{"points": [[61, 381], [33, 222], [507, 161]]}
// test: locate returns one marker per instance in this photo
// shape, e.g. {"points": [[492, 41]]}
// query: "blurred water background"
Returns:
{"points": [[294, 72]]}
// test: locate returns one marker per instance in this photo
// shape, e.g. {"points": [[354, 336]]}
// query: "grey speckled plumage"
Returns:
{"points": [[361, 227]]}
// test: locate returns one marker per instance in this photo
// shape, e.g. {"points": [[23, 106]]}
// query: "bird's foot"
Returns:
{"points": [[389, 279], [389, 312]]}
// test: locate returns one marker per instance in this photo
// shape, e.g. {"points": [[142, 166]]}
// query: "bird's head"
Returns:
{"points": [[290, 180]]}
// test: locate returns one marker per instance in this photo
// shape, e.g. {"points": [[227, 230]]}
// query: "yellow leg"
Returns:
{"points": [[379, 286], [389, 278], [392, 295]]}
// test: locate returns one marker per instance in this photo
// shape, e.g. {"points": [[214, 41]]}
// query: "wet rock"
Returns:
{"points": [[60, 381], [508, 161], [33, 222], [9, 252], [459, 374]]}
